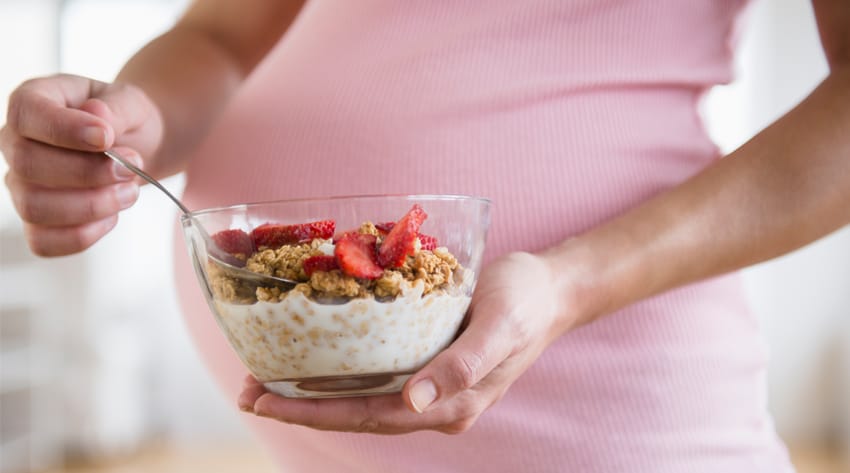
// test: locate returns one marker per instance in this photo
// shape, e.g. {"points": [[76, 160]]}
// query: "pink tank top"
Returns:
{"points": [[564, 113]]}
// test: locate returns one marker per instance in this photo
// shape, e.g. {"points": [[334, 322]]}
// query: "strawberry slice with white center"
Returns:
{"points": [[401, 239], [357, 256], [275, 235]]}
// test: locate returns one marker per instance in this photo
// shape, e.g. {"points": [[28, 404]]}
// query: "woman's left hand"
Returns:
{"points": [[516, 312]]}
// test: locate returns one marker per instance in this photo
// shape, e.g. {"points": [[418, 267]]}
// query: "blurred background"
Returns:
{"points": [[97, 372]]}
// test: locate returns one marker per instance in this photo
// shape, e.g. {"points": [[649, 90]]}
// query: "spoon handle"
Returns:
{"points": [[224, 259], [114, 156]]}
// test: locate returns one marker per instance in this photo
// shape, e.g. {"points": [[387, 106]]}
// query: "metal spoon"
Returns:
{"points": [[222, 258]]}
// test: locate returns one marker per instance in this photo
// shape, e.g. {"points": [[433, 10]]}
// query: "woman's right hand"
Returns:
{"points": [[67, 194]]}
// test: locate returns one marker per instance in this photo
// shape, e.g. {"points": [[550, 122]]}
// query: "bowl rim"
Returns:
{"points": [[411, 197]]}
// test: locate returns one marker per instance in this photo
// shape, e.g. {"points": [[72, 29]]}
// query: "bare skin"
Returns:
{"points": [[788, 186]]}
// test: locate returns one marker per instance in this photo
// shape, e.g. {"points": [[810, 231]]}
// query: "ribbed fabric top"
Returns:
{"points": [[564, 113]]}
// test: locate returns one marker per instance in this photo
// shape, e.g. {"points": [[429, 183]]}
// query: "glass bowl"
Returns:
{"points": [[321, 338]]}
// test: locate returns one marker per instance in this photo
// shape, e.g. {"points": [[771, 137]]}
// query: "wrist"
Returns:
{"points": [[582, 279]]}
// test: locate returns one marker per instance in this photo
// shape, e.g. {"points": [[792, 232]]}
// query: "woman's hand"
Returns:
{"points": [[68, 195], [515, 314]]}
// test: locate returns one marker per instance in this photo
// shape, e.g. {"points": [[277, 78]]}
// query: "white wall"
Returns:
{"points": [[126, 369], [803, 298]]}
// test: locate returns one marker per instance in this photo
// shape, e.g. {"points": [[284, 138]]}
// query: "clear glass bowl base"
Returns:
{"points": [[339, 386]]}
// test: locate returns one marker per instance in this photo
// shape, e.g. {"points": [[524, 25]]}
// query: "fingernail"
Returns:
{"points": [[95, 136], [246, 408], [422, 394], [121, 171], [109, 223], [127, 194]]}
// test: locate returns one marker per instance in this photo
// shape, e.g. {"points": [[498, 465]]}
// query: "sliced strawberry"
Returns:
{"points": [[344, 234], [427, 242], [319, 263], [234, 241], [400, 241], [357, 256], [274, 235], [384, 227]]}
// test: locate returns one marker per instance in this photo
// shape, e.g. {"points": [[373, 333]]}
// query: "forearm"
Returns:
{"points": [[188, 93], [191, 71], [786, 187]]}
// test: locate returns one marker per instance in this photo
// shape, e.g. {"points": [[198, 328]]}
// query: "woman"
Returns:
{"points": [[608, 331]]}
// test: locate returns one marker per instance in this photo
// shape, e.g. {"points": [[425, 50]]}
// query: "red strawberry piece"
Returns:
{"points": [[357, 256], [344, 234], [274, 235], [234, 241], [319, 263], [427, 242], [384, 227], [400, 241]]}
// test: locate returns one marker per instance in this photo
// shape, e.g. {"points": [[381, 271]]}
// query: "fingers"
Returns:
{"points": [[77, 113], [44, 110], [386, 414], [48, 166], [485, 343], [61, 241], [60, 207], [251, 391], [51, 187], [67, 199]]}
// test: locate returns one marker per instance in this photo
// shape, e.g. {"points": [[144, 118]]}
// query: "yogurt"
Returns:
{"points": [[299, 347]]}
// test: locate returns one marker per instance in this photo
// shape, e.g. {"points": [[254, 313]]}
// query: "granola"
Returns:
{"points": [[380, 261]]}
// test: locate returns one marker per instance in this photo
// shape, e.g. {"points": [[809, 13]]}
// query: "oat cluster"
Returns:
{"points": [[285, 262]]}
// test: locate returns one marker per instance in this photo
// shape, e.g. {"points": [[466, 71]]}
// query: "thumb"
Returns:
{"points": [[99, 109], [123, 107], [484, 344]]}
